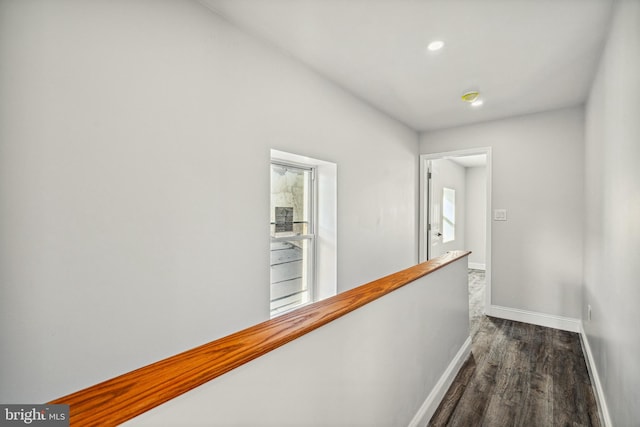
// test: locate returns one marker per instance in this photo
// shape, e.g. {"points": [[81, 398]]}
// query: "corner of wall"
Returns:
{"points": [[603, 409]]}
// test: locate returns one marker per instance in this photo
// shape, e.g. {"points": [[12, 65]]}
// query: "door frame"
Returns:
{"points": [[423, 237]]}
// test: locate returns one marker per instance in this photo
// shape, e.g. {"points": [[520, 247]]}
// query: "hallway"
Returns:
{"points": [[136, 144], [518, 375]]}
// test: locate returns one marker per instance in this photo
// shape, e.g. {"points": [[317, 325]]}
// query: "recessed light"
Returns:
{"points": [[477, 103], [435, 45]]}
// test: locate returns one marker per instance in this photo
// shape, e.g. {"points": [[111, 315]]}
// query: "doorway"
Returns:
{"points": [[453, 216]]}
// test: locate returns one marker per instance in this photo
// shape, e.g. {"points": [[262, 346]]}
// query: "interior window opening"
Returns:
{"points": [[293, 237]]}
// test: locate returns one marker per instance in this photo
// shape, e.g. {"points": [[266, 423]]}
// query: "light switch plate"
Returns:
{"points": [[499, 214]]}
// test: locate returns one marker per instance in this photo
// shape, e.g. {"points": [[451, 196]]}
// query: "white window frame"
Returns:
{"points": [[309, 257], [326, 209]]}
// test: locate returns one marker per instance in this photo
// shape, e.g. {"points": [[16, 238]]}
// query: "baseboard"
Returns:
{"points": [[595, 379], [540, 319], [477, 266], [429, 406]]}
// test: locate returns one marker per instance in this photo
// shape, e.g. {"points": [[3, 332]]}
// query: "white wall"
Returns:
{"points": [[135, 141], [476, 215], [356, 371], [537, 175], [612, 236]]}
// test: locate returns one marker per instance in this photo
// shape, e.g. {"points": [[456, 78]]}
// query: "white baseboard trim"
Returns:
{"points": [[429, 406], [540, 319], [605, 418], [477, 266]]}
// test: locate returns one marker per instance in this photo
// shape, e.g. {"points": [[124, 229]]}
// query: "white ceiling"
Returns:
{"points": [[524, 56]]}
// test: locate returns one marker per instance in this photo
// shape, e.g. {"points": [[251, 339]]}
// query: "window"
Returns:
{"points": [[293, 236], [448, 215]]}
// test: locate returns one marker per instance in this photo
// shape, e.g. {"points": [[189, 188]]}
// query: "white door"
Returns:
{"points": [[446, 192]]}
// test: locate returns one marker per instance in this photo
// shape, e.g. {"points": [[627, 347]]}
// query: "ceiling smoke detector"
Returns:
{"points": [[470, 96]]}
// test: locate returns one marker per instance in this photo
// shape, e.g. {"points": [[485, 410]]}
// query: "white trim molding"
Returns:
{"points": [[429, 406], [540, 319], [477, 266], [603, 409], [423, 211]]}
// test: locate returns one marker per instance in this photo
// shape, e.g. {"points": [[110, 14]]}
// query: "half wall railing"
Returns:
{"points": [[125, 397]]}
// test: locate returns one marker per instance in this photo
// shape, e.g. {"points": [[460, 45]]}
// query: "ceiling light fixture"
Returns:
{"points": [[470, 96], [435, 45], [477, 103]]}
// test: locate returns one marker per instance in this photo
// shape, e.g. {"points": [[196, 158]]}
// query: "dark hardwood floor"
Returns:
{"points": [[519, 375]]}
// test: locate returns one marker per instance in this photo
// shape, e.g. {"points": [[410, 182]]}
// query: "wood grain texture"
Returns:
{"points": [[122, 398], [520, 375]]}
